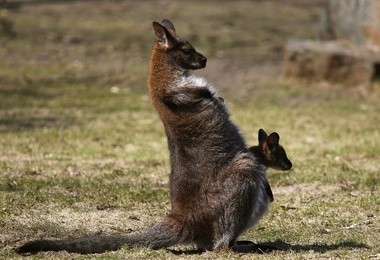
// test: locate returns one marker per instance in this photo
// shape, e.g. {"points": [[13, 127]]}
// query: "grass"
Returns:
{"points": [[83, 151]]}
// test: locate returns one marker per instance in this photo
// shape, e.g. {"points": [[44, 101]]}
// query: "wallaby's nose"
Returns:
{"points": [[203, 61], [288, 166]]}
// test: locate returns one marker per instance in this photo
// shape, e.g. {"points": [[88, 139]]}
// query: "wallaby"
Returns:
{"points": [[217, 187], [270, 154]]}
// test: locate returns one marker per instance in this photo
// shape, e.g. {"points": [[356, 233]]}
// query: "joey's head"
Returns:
{"points": [[272, 154], [180, 52]]}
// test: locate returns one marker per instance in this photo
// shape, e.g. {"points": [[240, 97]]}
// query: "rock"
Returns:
{"points": [[338, 62]]}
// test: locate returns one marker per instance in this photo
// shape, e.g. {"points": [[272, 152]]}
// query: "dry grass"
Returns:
{"points": [[83, 152]]}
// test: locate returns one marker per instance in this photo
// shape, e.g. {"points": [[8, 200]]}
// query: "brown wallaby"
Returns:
{"points": [[270, 154], [218, 188]]}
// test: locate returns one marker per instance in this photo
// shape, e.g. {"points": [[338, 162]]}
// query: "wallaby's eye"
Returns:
{"points": [[186, 51]]}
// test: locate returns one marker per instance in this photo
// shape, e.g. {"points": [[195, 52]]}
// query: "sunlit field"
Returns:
{"points": [[82, 150]]}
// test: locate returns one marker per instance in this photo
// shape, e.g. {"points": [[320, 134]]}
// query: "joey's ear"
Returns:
{"points": [[262, 136], [273, 140], [169, 25], [162, 36]]}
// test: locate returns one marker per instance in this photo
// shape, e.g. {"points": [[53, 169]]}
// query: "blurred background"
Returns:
{"points": [[108, 42]]}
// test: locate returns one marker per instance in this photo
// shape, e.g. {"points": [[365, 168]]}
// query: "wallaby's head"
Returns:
{"points": [[180, 52], [270, 152]]}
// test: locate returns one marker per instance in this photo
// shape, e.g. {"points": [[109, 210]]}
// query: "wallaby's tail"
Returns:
{"points": [[160, 235]]}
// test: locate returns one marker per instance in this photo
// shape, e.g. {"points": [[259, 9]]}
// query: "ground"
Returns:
{"points": [[83, 151]]}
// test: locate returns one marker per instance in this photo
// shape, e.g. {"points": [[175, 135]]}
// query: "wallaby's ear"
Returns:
{"points": [[273, 140], [262, 136], [162, 36], [169, 25]]}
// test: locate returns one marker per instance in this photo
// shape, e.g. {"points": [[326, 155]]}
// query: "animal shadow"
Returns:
{"points": [[278, 245]]}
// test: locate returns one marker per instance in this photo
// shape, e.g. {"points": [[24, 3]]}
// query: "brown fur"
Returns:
{"points": [[217, 187], [270, 153]]}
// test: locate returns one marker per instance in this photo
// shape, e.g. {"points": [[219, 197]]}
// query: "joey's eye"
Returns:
{"points": [[186, 51]]}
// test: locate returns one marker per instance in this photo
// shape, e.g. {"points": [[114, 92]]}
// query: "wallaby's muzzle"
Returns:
{"points": [[202, 60]]}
